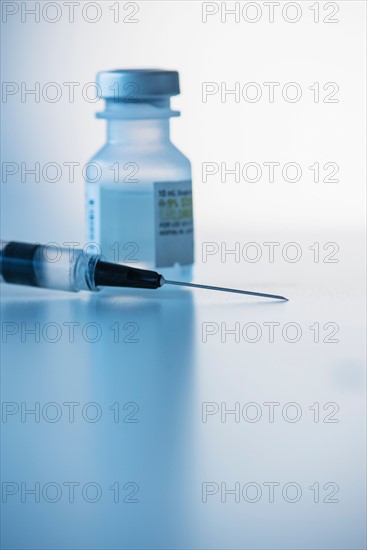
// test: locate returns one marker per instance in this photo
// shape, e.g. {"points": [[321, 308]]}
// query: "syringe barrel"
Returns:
{"points": [[47, 266]]}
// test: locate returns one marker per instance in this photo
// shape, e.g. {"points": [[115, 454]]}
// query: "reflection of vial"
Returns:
{"points": [[139, 197]]}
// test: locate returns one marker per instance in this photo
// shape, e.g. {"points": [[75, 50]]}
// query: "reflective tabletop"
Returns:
{"points": [[187, 419]]}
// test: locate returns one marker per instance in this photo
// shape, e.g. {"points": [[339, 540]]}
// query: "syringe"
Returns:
{"points": [[62, 268]]}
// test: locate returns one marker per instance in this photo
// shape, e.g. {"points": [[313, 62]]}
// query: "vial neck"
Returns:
{"points": [[138, 132]]}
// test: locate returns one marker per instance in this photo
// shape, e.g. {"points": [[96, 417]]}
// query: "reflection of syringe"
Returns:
{"points": [[50, 266]]}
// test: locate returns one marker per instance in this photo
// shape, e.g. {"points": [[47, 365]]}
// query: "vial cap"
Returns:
{"points": [[138, 84]]}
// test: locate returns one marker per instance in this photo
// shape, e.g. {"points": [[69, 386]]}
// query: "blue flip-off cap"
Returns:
{"points": [[138, 84]]}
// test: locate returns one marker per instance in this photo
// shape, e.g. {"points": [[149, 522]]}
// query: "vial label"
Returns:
{"points": [[93, 213], [174, 228]]}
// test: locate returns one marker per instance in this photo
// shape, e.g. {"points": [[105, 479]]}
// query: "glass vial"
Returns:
{"points": [[138, 186]]}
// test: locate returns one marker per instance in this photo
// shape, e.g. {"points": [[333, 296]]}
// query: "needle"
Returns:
{"points": [[222, 289]]}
